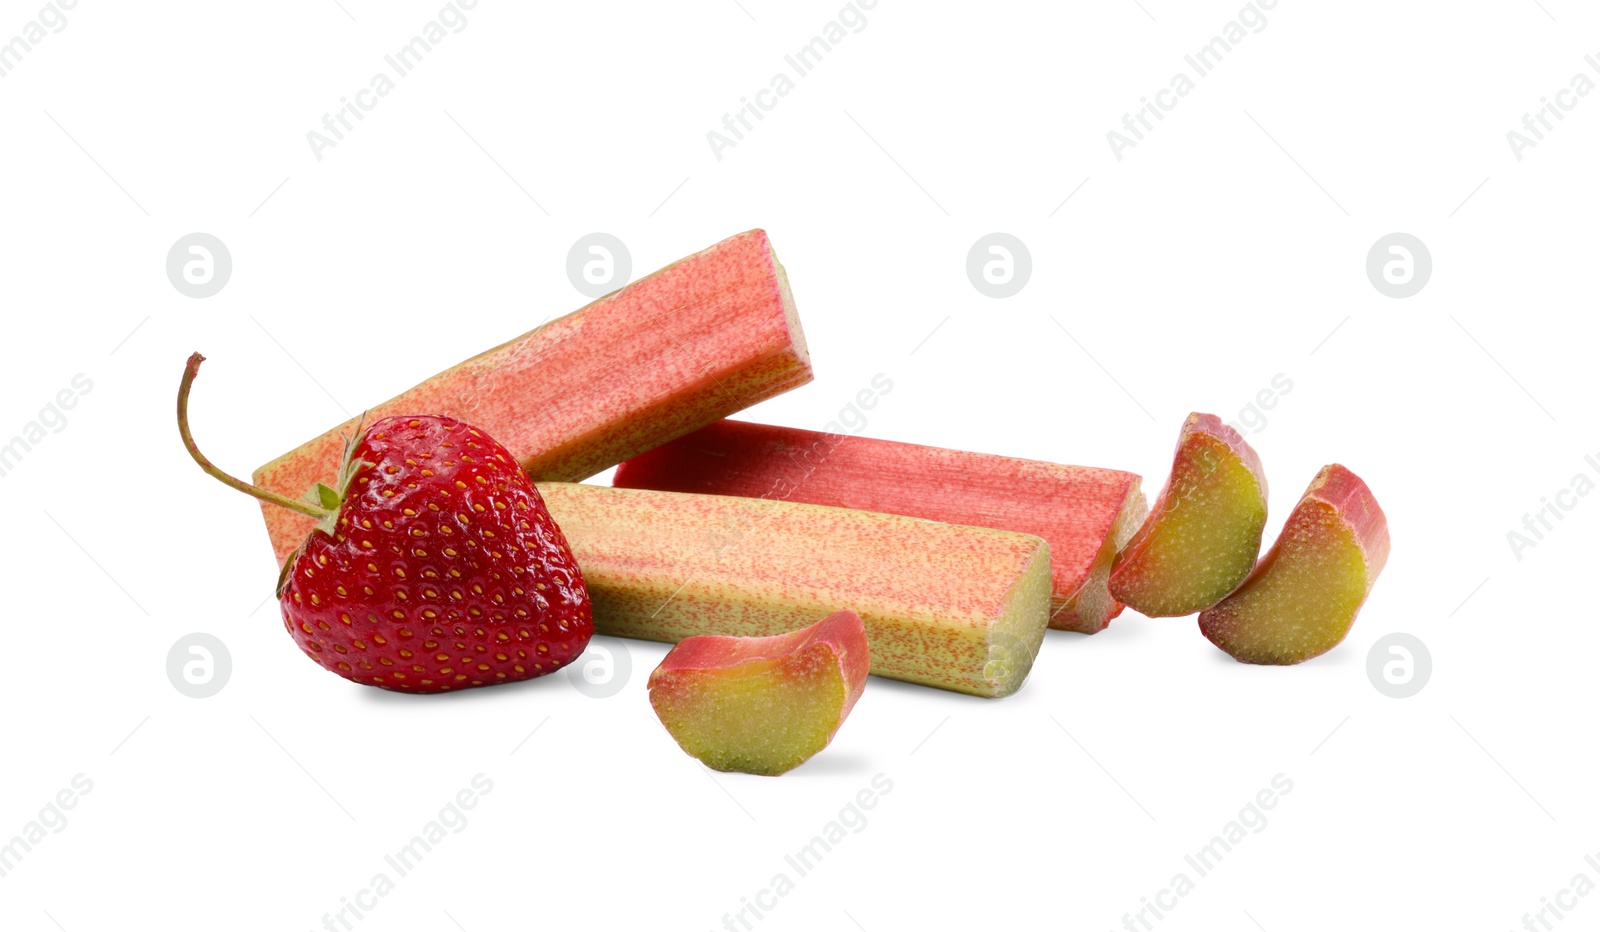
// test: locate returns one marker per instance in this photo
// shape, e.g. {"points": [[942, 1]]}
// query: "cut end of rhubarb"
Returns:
{"points": [[1015, 639], [1301, 599], [762, 705], [1203, 534], [1090, 607]]}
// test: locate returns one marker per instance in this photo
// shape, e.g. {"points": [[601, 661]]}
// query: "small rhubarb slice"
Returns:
{"points": [[762, 705], [1302, 597], [1204, 531], [962, 608], [1085, 514], [672, 352]]}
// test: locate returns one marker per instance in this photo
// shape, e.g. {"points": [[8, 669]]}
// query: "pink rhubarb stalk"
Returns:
{"points": [[672, 352], [1084, 513]]}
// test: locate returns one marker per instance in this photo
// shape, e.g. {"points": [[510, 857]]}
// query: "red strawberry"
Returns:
{"points": [[435, 565]]}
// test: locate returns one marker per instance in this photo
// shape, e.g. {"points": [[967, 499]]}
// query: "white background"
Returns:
{"points": [[1225, 249]]}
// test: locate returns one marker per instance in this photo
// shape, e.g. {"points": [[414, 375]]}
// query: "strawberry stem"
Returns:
{"points": [[189, 372]]}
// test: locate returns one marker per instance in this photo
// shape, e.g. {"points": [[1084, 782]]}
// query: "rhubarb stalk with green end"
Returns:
{"points": [[961, 608], [1084, 513], [762, 705], [1303, 596], [672, 352], [1204, 531]]}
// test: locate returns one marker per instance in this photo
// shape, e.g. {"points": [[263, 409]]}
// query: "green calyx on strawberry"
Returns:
{"points": [[434, 565]]}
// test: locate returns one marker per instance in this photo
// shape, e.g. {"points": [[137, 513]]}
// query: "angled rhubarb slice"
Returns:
{"points": [[762, 705], [962, 608], [1204, 531], [1084, 513], [674, 351], [1302, 597]]}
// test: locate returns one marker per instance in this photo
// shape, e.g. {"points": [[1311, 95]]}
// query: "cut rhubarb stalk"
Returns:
{"points": [[1084, 514], [762, 705], [962, 608], [1204, 531], [1302, 597], [672, 352]]}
